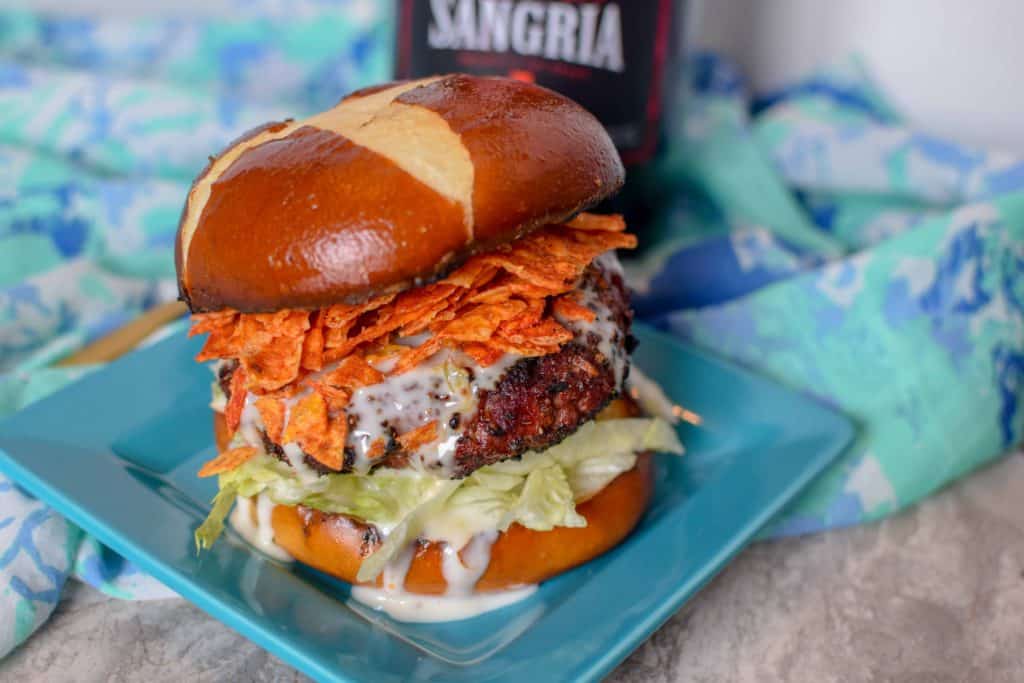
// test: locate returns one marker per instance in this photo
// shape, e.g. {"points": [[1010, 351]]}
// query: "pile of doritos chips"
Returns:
{"points": [[508, 300]]}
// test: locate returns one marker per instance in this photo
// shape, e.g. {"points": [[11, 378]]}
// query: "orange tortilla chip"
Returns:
{"points": [[414, 322], [600, 222], [597, 243], [353, 372], [286, 323], [210, 322], [252, 333], [228, 460], [423, 298], [331, 452], [272, 412], [418, 311], [472, 274], [368, 334], [287, 391], [221, 328], [508, 286], [538, 338], [341, 316], [478, 324], [416, 355], [272, 369], [376, 449], [341, 320], [570, 253], [312, 357], [439, 315], [556, 277], [525, 349], [530, 316], [337, 399], [307, 423], [484, 355], [422, 435], [334, 337], [269, 347], [567, 308], [236, 403], [216, 346], [545, 331]]}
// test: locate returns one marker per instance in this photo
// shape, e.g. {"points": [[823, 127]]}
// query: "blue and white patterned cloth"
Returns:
{"points": [[810, 234]]}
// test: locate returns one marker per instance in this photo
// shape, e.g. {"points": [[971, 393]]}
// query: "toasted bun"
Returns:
{"points": [[336, 544], [391, 187]]}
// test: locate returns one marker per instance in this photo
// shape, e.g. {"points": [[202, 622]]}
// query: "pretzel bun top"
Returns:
{"points": [[390, 188]]}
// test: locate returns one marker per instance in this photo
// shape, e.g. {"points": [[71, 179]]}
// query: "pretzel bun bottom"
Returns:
{"points": [[336, 544]]}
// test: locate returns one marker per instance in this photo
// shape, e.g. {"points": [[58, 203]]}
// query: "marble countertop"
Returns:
{"points": [[933, 594]]}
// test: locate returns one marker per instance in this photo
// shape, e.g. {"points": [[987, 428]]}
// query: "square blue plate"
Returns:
{"points": [[118, 451]]}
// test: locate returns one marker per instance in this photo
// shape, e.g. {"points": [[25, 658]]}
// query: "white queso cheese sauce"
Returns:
{"points": [[461, 570], [251, 519], [425, 609], [445, 388]]}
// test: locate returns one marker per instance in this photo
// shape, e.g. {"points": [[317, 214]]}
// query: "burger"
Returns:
{"points": [[420, 339]]}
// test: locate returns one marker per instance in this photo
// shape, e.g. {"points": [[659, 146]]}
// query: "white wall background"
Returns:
{"points": [[954, 67]]}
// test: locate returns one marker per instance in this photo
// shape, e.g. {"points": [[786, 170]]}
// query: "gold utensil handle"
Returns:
{"points": [[127, 337]]}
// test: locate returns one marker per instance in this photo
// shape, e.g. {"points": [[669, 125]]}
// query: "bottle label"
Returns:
{"points": [[606, 55]]}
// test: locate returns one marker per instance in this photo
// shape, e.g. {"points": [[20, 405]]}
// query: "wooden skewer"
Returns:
{"points": [[127, 337]]}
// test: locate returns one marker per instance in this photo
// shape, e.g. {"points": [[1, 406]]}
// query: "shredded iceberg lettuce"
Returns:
{"points": [[539, 491], [213, 526]]}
